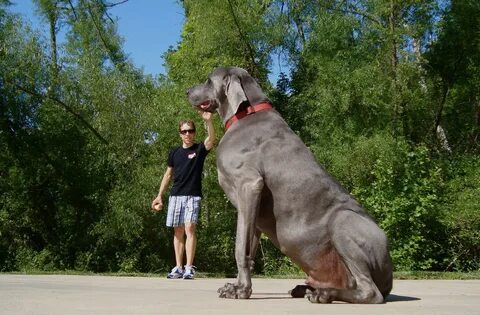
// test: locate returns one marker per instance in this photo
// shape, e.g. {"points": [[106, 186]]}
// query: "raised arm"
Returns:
{"points": [[210, 140]]}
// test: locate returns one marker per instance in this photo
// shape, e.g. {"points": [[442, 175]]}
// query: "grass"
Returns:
{"points": [[400, 275], [435, 275], [405, 275]]}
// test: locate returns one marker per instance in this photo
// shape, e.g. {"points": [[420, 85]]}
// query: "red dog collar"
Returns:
{"points": [[247, 111]]}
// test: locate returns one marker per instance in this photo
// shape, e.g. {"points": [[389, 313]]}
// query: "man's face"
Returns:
{"points": [[187, 133]]}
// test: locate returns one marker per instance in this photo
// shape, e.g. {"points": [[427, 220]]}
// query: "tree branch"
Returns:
{"points": [[244, 38], [63, 105], [111, 54], [352, 10], [111, 5]]}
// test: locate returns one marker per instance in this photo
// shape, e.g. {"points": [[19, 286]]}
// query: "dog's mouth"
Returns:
{"points": [[207, 106]]}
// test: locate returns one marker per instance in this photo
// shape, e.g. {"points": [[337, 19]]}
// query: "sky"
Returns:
{"points": [[148, 27]]}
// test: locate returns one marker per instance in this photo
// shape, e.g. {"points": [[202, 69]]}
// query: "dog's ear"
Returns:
{"points": [[235, 95]]}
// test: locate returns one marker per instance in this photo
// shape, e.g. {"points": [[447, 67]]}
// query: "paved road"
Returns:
{"points": [[60, 294]]}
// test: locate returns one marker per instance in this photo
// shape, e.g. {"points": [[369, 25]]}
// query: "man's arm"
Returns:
{"points": [[157, 203], [210, 140]]}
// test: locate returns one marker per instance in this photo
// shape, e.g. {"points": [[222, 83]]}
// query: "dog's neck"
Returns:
{"points": [[246, 109]]}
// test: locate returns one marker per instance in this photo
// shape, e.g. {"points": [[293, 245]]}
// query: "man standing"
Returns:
{"points": [[185, 164]]}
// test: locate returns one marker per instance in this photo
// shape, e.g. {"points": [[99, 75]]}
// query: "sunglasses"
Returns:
{"points": [[190, 131]]}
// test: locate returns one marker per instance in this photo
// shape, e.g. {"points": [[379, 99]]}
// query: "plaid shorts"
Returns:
{"points": [[182, 209]]}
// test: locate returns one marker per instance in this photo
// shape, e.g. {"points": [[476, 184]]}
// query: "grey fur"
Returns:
{"points": [[279, 189]]}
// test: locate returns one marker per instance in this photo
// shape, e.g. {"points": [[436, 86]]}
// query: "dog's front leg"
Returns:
{"points": [[254, 247], [249, 196]]}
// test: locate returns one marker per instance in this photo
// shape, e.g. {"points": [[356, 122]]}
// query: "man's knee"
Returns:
{"points": [[179, 231], [190, 229]]}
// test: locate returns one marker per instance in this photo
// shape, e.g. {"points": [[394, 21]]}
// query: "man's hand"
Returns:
{"points": [[157, 203], [206, 116], [208, 119]]}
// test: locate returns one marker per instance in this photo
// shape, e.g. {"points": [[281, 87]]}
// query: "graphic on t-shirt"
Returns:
{"points": [[192, 155]]}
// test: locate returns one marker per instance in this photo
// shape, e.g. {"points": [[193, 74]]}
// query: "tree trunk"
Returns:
{"points": [[418, 60], [476, 131], [438, 129], [397, 110], [53, 41], [442, 138]]}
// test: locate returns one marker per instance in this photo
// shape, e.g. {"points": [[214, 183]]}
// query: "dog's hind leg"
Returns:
{"points": [[364, 292], [364, 252]]}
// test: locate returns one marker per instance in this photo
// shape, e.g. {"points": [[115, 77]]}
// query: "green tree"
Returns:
{"points": [[362, 90], [454, 64], [384, 92]]}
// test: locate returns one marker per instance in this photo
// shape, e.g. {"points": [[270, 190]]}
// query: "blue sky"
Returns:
{"points": [[148, 27]]}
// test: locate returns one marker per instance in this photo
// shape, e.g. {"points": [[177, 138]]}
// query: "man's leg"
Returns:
{"points": [[191, 243], [191, 217], [179, 244]]}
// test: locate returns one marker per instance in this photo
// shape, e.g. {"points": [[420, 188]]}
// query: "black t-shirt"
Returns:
{"points": [[187, 169]]}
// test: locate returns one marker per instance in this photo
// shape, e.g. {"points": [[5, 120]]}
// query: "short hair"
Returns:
{"points": [[187, 122]]}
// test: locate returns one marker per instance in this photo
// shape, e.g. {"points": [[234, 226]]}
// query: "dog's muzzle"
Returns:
{"points": [[207, 106]]}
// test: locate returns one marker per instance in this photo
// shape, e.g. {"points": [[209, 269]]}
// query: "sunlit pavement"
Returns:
{"points": [[62, 294]]}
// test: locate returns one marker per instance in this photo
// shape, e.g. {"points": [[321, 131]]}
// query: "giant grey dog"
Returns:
{"points": [[279, 189]]}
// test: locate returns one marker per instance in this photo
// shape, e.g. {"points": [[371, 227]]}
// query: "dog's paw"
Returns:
{"points": [[234, 291], [318, 296], [299, 291]]}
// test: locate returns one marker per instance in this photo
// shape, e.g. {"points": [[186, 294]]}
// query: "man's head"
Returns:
{"points": [[186, 128]]}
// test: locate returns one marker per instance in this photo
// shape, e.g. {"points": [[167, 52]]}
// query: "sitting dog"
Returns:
{"points": [[279, 189]]}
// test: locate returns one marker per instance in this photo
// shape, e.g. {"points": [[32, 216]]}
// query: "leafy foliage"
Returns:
{"points": [[404, 198], [385, 94], [462, 219]]}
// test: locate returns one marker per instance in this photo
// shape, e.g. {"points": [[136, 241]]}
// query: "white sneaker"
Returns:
{"points": [[176, 273], [189, 272]]}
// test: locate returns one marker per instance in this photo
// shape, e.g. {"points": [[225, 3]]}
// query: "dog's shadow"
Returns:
{"points": [[400, 298], [281, 296], [270, 296]]}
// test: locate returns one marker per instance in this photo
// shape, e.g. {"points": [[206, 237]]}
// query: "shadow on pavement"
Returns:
{"points": [[400, 298], [281, 296], [270, 296]]}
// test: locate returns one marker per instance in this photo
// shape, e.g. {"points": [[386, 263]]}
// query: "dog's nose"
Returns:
{"points": [[188, 91]]}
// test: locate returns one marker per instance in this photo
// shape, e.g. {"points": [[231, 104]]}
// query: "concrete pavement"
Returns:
{"points": [[63, 294]]}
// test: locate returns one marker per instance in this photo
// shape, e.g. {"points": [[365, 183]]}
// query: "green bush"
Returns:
{"points": [[270, 261], [404, 198], [31, 260], [216, 229], [462, 215]]}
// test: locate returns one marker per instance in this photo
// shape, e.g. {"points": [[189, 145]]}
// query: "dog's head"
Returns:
{"points": [[225, 90]]}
